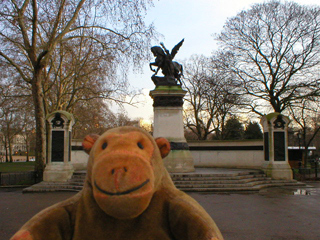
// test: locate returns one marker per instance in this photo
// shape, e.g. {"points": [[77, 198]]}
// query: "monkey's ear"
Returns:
{"points": [[164, 146], [88, 142]]}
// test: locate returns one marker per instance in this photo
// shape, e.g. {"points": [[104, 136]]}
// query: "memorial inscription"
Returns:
{"points": [[57, 146], [279, 146], [266, 146]]}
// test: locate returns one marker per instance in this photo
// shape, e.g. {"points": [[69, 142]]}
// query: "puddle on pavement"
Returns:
{"points": [[291, 191], [302, 192], [312, 189]]}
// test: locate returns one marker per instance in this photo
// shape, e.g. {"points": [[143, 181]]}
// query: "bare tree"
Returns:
{"points": [[31, 31], [273, 50], [198, 114], [306, 117], [94, 116], [28, 127], [209, 101], [81, 74], [11, 121]]}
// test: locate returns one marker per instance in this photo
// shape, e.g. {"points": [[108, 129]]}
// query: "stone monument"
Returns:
{"points": [[168, 108], [276, 161], [58, 166]]}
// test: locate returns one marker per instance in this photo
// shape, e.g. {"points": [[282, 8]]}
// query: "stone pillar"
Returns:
{"points": [[59, 167], [276, 164], [168, 123]]}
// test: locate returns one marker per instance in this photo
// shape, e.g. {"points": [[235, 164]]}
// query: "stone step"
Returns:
{"points": [[75, 184], [80, 172], [52, 187], [81, 177], [242, 189], [72, 187], [233, 181], [219, 179], [224, 185], [245, 181], [238, 181], [215, 178], [214, 175], [76, 180]]}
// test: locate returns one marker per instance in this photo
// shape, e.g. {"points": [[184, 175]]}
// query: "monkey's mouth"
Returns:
{"points": [[121, 193]]}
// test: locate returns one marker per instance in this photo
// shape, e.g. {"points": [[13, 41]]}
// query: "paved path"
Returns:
{"points": [[272, 214]]}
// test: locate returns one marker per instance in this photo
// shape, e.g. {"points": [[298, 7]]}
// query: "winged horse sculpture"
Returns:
{"points": [[171, 70]]}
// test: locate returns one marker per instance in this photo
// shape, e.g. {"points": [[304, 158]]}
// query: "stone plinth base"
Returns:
{"points": [[79, 157], [58, 172], [278, 171], [179, 161], [80, 166], [168, 123]]}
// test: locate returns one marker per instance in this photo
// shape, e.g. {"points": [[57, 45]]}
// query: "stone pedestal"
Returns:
{"points": [[59, 168], [168, 123], [276, 164]]}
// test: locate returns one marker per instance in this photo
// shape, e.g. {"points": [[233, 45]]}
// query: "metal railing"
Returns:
{"points": [[17, 178], [302, 174]]}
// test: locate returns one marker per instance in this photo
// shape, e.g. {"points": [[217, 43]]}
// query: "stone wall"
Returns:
{"points": [[227, 154], [223, 154], [79, 158]]}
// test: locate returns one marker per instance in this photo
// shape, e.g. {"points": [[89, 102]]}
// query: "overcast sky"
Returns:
{"points": [[194, 20]]}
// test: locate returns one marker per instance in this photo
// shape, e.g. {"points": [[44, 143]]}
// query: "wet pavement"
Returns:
{"points": [[272, 214]]}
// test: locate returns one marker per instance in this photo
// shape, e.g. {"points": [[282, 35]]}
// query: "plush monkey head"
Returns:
{"points": [[125, 169]]}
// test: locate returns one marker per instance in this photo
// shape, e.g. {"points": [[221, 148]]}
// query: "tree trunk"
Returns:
{"points": [[6, 147], [10, 150], [27, 148], [26, 142], [40, 152]]}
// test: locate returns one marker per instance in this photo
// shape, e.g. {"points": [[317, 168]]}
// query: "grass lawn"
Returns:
{"points": [[17, 167]]}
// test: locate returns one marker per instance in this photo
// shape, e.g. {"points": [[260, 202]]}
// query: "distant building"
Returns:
{"points": [[18, 144]]}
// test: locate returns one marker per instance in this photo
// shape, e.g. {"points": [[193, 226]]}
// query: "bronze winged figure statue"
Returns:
{"points": [[171, 70]]}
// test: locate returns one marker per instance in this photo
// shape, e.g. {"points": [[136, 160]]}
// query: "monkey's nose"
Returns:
{"points": [[118, 176], [119, 170]]}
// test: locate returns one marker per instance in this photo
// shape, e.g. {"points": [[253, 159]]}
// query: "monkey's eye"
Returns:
{"points": [[104, 145], [140, 145]]}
